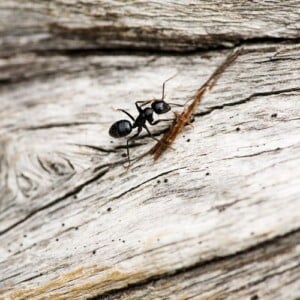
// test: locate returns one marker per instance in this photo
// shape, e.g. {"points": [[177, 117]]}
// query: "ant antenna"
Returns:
{"points": [[164, 85]]}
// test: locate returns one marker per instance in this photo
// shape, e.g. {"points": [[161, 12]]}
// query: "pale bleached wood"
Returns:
{"points": [[157, 25], [255, 274], [220, 193]]}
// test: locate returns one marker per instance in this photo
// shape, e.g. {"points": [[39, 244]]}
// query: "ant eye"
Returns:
{"points": [[160, 107], [120, 129]]}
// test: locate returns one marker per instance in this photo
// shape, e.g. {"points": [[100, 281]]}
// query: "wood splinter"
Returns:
{"points": [[184, 118]]}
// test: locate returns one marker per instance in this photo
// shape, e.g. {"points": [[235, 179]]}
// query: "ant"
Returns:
{"points": [[123, 128]]}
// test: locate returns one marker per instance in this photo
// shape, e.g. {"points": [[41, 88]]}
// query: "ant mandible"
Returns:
{"points": [[123, 128]]}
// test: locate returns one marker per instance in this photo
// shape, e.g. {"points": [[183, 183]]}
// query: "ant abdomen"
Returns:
{"points": [[120, 129], [160, 107]]}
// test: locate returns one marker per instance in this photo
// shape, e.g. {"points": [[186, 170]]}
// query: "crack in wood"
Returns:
{"points": [[184, 117], [276, 150], [57, 125], [263, 246], [248, 99], [144, 182], [76, 190], [190, 267], [270, 276], [97, 148]]}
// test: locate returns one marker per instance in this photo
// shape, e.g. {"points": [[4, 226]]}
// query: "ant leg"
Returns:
{"points": [[154, 138], [162, 120], [132, 139], [143, 103], [165, 120], [176, 104], [127, 113], [139, 107], [164, 84], [150, 134]]}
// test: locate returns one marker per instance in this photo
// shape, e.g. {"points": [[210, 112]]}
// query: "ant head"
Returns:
{"points": [[120, 129], [160, 107]]}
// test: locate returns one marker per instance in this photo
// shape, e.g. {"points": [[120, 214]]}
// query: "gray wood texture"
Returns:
{"points": [[156, 25], [216, 217]]}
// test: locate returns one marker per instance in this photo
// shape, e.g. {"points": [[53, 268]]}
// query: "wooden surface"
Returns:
{"points": [[149, 25], [216, 217]]}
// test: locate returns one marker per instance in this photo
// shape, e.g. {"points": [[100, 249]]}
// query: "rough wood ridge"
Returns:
{"points": [[157, 25]]}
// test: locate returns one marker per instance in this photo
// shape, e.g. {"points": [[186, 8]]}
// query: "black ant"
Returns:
{"points": [[124, 127]]}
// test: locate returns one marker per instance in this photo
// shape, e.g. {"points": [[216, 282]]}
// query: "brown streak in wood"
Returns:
{"points": [[184, 118], [31, 292], [112, 275]]}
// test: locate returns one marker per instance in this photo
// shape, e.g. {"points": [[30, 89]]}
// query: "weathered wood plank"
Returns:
{"points": [[270, 271], [157, 25], [75, 224]]}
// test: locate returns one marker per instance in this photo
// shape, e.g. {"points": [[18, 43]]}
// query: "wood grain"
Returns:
{"points": [[254, 274], [74, 224], [157, 25]]}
